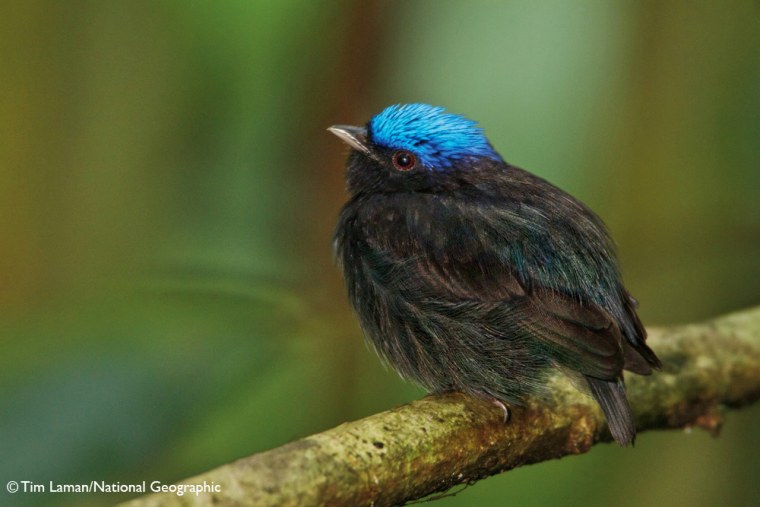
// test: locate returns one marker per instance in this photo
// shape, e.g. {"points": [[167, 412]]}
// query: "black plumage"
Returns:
{"points": [[470, 274]]}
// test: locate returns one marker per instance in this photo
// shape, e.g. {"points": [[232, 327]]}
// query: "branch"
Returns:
{"points": [[437, 442]]}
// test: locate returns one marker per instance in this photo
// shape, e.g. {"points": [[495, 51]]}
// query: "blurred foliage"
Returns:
{"points": [[167, 194]]}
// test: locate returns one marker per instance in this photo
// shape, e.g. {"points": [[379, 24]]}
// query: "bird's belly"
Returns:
{"points": [[444, 344]]}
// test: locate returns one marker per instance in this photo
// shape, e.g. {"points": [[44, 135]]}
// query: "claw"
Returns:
{"points": [[503, 408]]}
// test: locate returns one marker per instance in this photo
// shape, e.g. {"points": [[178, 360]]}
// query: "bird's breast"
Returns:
{"points": [[413, 228]]}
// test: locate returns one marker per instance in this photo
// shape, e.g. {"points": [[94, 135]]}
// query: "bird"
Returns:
{"points": [[470, 274]]}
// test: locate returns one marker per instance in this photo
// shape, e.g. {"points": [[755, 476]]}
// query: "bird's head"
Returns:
{"points": [[413, 147]]}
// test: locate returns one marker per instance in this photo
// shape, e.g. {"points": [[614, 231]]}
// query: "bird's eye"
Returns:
{"points": [[404, 160]]}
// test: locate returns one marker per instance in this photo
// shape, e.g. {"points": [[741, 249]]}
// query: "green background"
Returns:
{"points": [[168, 300]]}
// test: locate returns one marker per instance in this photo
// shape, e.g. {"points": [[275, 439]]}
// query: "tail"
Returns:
{"points": [[610, 394]]}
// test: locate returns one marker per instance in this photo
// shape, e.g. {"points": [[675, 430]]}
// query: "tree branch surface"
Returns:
{"points": [[432, 444]]}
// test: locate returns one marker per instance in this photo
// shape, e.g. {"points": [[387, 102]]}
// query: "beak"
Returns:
{"points": [[355, 137]]}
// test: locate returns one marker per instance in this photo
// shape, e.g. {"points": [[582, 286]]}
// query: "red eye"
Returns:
{"points": [[404, 160]]}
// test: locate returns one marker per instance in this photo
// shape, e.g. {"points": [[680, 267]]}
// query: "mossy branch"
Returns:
{"points": [[432, 444]]}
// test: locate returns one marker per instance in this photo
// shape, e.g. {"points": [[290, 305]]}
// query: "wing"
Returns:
{"points": [[573, 333]]}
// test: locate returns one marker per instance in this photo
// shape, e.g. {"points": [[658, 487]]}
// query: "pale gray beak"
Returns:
{"points": [[355, 137]]}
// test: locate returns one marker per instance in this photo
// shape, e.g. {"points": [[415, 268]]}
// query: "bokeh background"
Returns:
{"points": [[168, 300]]}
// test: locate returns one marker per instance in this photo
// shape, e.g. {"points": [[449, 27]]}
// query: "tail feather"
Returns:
{"points": [[610, 394]]}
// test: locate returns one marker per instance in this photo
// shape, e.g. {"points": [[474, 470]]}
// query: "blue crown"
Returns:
{"points": [[439, 139]]}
